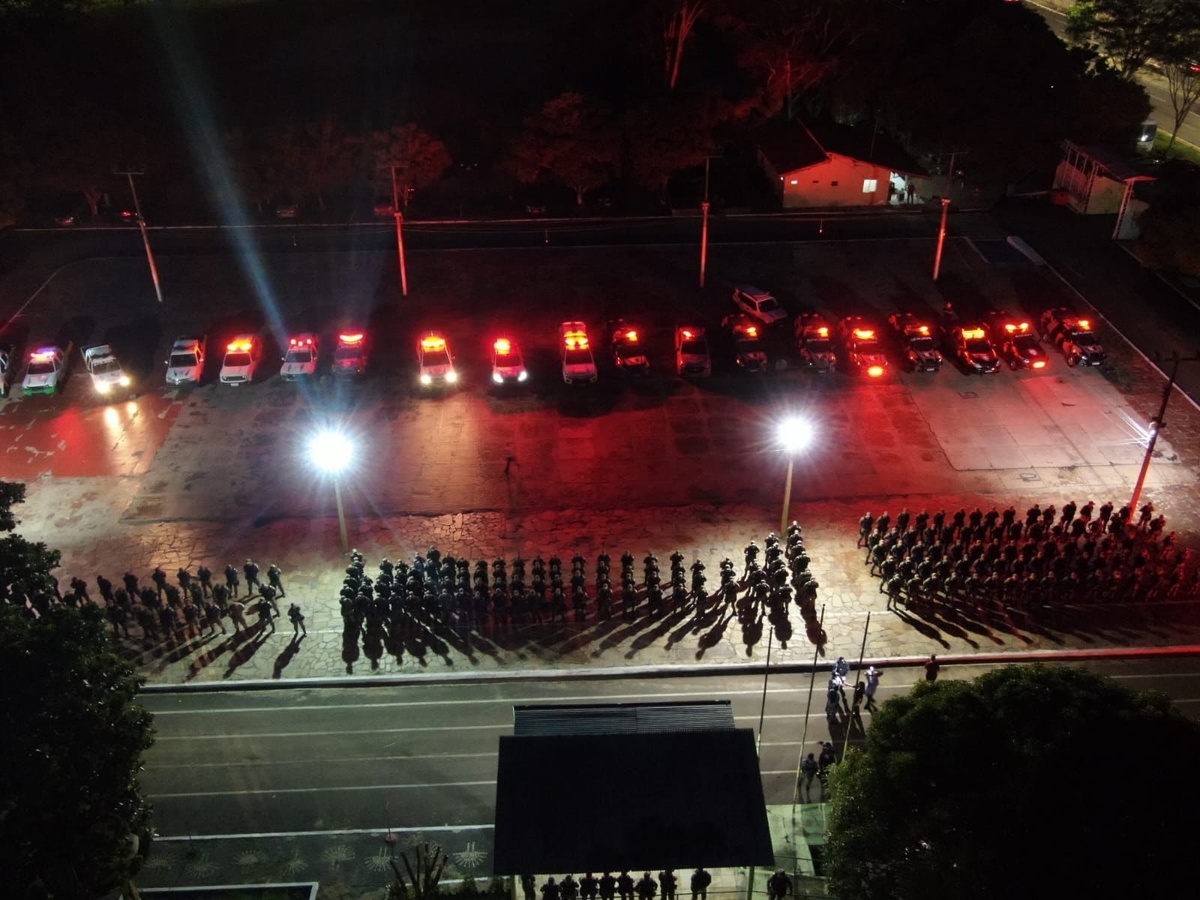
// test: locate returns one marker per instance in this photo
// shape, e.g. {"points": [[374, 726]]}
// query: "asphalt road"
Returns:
{"points": [[424, 756]]}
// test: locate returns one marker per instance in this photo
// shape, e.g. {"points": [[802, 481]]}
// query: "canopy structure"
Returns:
{"points": [[628, 786]]}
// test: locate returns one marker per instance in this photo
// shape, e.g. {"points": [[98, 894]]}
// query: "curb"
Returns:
{"points": [[669, 671]]}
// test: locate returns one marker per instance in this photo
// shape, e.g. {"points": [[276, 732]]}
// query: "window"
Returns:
{"points": [[869, 185], [795, 181]]}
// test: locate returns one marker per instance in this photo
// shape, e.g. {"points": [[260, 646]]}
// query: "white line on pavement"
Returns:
{"points": [[382, 829], [323, 790], [228, 764]]}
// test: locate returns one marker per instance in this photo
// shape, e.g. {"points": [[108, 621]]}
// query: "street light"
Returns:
{"points": [[331, 452], [794, 434]]}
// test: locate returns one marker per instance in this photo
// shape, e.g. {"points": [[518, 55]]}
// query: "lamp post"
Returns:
{"points": [[331, 452], [794, 435], [941, 240]]}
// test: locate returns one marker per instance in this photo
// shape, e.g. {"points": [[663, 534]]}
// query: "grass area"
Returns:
{"points": [[1181, 149]]}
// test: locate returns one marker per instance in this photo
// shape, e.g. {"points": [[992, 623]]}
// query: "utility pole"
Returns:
{"points": [[137, 209], [937, 257], [399, 232], [1157, 424], [704, 208]]}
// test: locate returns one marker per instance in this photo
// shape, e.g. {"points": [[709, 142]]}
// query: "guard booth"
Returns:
{"points": [[1095, 180]]}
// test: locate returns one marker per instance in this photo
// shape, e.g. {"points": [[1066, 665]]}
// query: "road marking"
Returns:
{"points": [[383, 829], [323, 790], [226, 764]]}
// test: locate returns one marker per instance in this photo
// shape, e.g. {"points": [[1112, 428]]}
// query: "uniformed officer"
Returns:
{"points": [[275, 579]]}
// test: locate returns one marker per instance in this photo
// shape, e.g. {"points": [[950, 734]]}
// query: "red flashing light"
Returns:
{"points": [[355, 338], [300, 342], [575, 340], [41, 356], [687, 334], [864, 334], [973, 334], [875, 371], [433, 342], [923, 330], [1084, 324], [823, 331], [1039, 364], [242, 346], [502, 346], [631, 336]]}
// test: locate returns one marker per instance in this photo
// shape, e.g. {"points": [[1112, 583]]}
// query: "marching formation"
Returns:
{"points": [[436, 591], [999, 560]]}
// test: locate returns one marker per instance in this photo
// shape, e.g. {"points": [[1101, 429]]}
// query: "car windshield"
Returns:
{"points": [[183, 360], [1082, 337], [749, 345], [436, 358], [347, 353], [867, 347], [577, 357], [820, 345], [694, 348], [978, 346], [237, 360], [768, 304], [922, 344], [41, 367], [1025, 343], [106, 366], [299, 356]]}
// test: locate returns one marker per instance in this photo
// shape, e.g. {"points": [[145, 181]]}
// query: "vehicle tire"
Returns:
{"points": [[1072, 361]]}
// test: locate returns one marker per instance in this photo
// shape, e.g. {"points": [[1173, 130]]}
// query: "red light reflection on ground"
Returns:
{"points": [[50, 436]]}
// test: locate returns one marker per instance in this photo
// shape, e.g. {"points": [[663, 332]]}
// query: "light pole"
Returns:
{"points": [[937, 257], [137, 209], [794, 435], [331, 453], [399, 232]]}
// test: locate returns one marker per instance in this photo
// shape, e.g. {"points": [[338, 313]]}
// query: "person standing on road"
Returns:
{"points": [[808, 771], [569, 888], [275, 579], [204, 576], [106, 588], [297, 619], [860, 691], [667, 881], [608, 886], [778, 885], [865, 527], [237, 612], [701, 879], [625, 885], [588, 886], [932, 667], [647, 887], [550, 890], [159, 577], [872, 686], [232, 580], [250, 569]]}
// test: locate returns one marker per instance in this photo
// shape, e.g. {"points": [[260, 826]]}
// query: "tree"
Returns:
{"points": [[1180, 58], [573, 139], [678, 22], [316, 156], [70, 805], [1129, 32], [663, 137], [1017, 779], [25, 567], [418, 157], [251, 169]]}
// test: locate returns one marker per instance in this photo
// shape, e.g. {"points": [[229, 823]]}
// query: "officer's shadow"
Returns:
{"points": [[282, 660]]}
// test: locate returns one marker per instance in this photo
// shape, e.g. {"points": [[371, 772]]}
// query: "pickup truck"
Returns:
{"points": [[107, 375], [186, 365]]}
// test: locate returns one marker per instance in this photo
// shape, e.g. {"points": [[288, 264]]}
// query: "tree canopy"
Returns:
{"points": [[1127, 32], [70, 805], [1029, 780]]}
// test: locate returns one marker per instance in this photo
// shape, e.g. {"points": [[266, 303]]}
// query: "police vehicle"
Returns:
{"points": [[186, 365], [434, 361], [814, 341], [300, 361], [108, 376], [351, 353], [508, 365], [692, 356], [864, 353], [973, 349], [917, 345], [748, 351], [1073, 336], [578, 364], [242, 356], [758, 303], [1016, 342], [46, 372], [628, 350]]}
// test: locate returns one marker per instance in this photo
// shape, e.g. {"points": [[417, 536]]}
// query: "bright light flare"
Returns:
{"points": [[875, 371], [794, 434], [331, 451], [451, 377]]}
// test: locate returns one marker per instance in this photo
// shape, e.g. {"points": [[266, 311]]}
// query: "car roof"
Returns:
{"points": [[752, 290]]}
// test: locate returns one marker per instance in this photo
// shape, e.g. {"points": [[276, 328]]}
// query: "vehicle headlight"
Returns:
{"points": [[103, 387], [426, 378], [523, 376], [125, 381], [451, 377], [498, 378]]}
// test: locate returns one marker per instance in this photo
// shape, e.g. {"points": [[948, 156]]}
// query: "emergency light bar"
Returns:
{"points": [[823, 331], [1039, 364], [875, 371], [923, 329], [1011, 328], [1083, 325], [575, 340], [433, 342], [355, 338], [864, 334], [631, 336], [41, 355], [238, 346], [296, 342], [972, 334], [687, 334], [503, 346]]}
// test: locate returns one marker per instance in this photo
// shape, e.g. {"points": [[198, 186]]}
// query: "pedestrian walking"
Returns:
{"points": [[1145, 514], [204, 576], [808, 771], [131, 584], [778, 885], [268, 594], [275, 579], [872, 686], [212, 615], [159, 577], [237, 613], [865, 526], [250, 570], [263, 608], [625, 885], [184, 578], [232, 580], [647, 887], [701, 879], [668, 882], [297, 620], [106, 588], [860, 691], [932, 667]]}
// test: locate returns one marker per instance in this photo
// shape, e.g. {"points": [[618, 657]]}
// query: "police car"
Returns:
{"points": [[508, 366], [1016, 342], [628, 351], [917, 346], [864, 353], [813, 340], [748, 351], [1073, 336], [974, 350], [351, 354], [46, 372], [578, 364], [242, 356], [434, 360], [186, 364], [300, 361], [692, 356], [107, 374], [758, 303]]}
